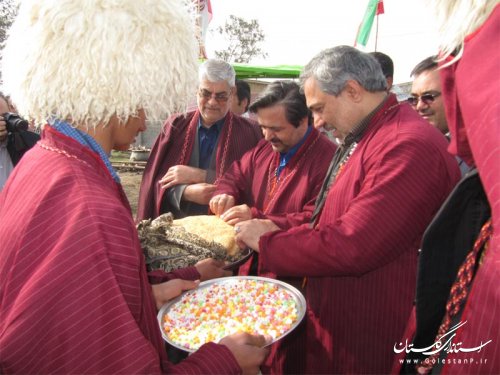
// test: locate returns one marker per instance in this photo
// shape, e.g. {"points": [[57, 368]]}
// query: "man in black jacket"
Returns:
{"points": [[15, 139]]}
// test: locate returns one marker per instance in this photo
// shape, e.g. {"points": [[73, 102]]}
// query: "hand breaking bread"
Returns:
{"points": [[212, 229]]}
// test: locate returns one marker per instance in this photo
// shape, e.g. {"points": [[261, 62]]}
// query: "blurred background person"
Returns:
{"points": [[15, 138], [242, 99], [387, 66]]}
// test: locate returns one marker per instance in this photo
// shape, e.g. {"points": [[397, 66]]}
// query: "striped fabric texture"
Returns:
{"points": [[470, 91], [169, 147], [249, 180], [74, 292], [360, 260]]}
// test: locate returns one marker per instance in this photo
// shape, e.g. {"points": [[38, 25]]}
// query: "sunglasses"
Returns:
{"points": [[426, 98], [219, 96]]}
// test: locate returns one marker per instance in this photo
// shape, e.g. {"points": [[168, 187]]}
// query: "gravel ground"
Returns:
{"points": [[131, 182]]}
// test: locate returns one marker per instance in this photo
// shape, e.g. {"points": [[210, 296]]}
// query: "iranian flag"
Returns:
{"points": [[374, 8]]}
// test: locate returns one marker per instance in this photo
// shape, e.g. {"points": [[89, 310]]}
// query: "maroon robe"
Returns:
{"points": [[174, 146], [250, 181], [470, 91], [74, 291], [360, 259]]}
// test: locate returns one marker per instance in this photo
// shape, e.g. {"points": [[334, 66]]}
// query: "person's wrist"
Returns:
{"points": [[203, 175]]}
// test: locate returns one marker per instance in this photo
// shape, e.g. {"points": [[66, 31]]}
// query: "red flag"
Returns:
{"points": [[380, 7], [210, 14]]}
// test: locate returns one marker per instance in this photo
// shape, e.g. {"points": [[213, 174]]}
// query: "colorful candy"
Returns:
{"points": [[220, 309]]}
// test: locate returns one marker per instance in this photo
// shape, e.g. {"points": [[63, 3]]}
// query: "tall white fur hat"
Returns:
{"points": [[86, 60]]}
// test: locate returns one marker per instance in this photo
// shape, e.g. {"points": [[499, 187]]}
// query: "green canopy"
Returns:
{"points": [[244, 71]]}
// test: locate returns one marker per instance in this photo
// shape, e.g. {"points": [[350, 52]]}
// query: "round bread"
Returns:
{"points": [[212, 229]]}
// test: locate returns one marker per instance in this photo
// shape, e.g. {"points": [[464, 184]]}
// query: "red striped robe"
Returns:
{"points": [[74, 292], [292, 204], [168, 151], [360, 260], [248, 180]]}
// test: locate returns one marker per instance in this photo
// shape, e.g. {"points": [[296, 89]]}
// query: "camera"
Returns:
{"points": [[14, 122]]}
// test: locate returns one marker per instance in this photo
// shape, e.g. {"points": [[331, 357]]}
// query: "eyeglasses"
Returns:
{"points": [[426, 98], [221, 97]]}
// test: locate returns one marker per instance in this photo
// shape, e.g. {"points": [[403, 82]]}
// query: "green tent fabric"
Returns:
{"points": [[244, 71]]}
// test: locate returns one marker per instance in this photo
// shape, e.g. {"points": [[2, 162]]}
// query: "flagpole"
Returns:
{"points": [[376, 34]]}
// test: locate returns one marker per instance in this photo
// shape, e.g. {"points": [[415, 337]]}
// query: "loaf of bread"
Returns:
{"points": [[212, 229]]}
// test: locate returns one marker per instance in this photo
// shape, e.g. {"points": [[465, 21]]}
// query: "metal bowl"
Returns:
{"points": [[242, 258], [299, 299]]}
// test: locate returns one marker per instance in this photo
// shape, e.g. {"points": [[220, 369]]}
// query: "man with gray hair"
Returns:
{"points": [[195, 149], [358, 254]]}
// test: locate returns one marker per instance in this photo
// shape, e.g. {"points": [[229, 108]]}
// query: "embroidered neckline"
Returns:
{"points": [[87, 141], [344, 161], [333, 175], [352, 146], [275, 183], [62, 152]]}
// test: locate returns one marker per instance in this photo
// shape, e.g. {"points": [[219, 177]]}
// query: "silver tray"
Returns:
{"points": [[296, 294]]}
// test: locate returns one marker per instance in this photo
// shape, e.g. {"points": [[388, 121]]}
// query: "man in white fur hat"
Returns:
{"points": [[75, 296]]}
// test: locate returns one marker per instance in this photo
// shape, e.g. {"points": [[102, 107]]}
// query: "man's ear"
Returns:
{"points": [[389, 82], [305, 121], [353, 90]]}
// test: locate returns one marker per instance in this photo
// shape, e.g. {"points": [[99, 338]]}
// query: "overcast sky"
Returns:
{"points": [[296, 30]]}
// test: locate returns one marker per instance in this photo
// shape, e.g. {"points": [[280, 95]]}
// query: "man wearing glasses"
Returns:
{"points": [[195, 149], [426, 98], [425, 94]]}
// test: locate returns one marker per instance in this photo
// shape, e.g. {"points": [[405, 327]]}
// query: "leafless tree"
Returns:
{"points": [[243, 40]]}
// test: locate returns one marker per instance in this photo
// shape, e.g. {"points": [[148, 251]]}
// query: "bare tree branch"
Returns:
{"points": [[8, 11], [243, 39]]}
